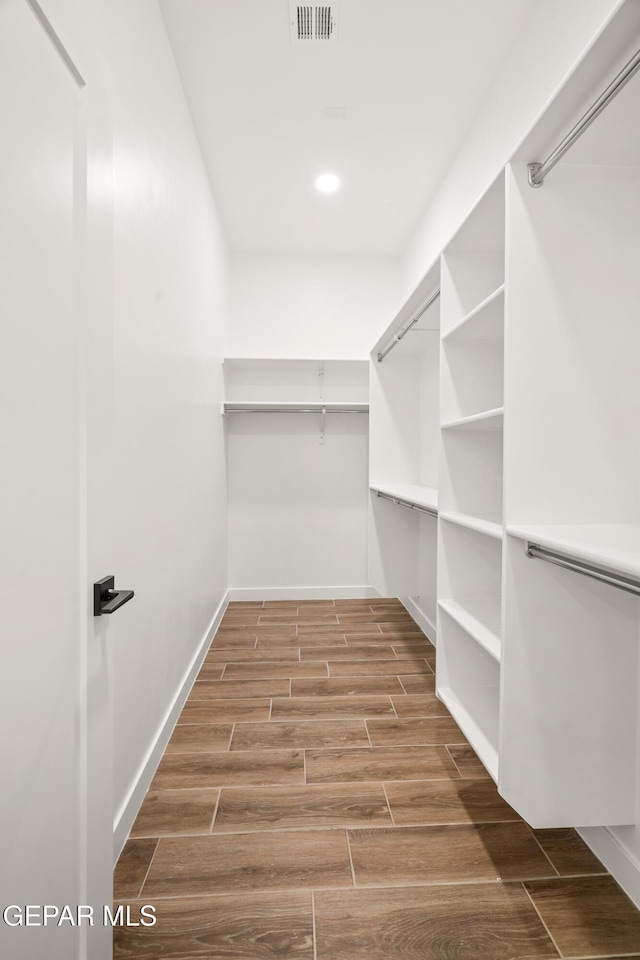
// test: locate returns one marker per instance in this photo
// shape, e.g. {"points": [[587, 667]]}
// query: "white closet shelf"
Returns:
{"points": [[484, 322], [477, 717], [418, 496], [480, 618], [489, 420], [304, 406], [491, 527], [612, 545]]}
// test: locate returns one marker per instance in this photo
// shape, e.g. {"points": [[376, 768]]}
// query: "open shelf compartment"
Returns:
{"points": [[468, 683]]}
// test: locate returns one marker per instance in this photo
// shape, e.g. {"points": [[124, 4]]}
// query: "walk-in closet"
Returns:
{"points": [[320, 566]]}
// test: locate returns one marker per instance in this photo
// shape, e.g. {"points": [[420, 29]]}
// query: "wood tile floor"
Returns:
{"points": [[317, 802]]}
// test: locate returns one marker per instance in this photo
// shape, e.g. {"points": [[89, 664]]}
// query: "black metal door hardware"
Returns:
{"points": [[106, 599]]}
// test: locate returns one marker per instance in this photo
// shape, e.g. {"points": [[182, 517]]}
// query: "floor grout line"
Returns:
{"points": [[353, 871], [313, 925], [215, 810], [153, 856], [386, 797], [539, 915], [544, 851], [366, 726]]}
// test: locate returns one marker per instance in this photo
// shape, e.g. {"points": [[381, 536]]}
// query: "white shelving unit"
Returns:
{"points": [[572, 461], [278, 385], [404, 456], [471, 478], [538, 408], [297, 454], [538, 414]]}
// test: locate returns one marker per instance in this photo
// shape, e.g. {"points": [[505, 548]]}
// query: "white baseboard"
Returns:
{"points": [[420, 618], [362, 592], [127, 813], [623, 866]]}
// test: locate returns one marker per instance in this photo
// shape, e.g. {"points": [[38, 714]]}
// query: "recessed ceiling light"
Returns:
{"points": [[327, 182]]}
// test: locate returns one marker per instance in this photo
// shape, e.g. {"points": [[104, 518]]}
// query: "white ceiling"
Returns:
{"points": [[411, 75]]}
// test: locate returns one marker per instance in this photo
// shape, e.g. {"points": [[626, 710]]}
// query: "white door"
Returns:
{"points": [[55, 801]]}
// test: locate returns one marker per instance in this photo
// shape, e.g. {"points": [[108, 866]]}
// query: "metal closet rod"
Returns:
{"points": [[305, 410], [629, 584], [538, 171], [407, 503], [398, 336]]}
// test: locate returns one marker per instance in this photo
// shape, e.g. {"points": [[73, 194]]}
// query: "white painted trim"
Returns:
{"points": [[303, 593], [420, 618], [127, 813], [620, 862]]}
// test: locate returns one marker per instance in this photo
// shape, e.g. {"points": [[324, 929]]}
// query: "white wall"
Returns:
{"points": [[545, 53], [298, 508], [288, 305], [170, 297]]}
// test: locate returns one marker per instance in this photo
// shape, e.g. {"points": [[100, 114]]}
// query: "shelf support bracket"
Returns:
{"points": [[322, 416]]}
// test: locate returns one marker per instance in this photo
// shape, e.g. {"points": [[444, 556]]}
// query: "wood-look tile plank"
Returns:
{"points": [[417, 684], [238, 689], [294, 604], [225, 863], [250, 926], [233, 604], [379, 763], [229, 769], [333, 805], [289, 619], [447, 801], [253, 655], [264, 629], [400, 629], [175, 812], [199, 738], [330, 708], [230, 711], [234, 641], [424, 651], [359, 651], [370, 639], [379, 668], [355, 606], [467, 762], [470, 922], [387, 602], [446, 854], [587, 916], [386, 615], [132, 866], [425, 705], [329, 629], [419, 730], [345, 687], [210, 670], [355, 602], [239, 618], [308, 641], [568, 852], [300, 734], [270, 670]]}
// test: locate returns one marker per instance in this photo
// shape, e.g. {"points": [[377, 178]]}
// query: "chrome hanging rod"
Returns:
{"points": [[398, 336], [630, 584], [538, 171], [431, 512], [258, 409]]}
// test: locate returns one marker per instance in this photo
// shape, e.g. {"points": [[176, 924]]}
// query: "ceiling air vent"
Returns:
{"points": [[313, 23]]}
